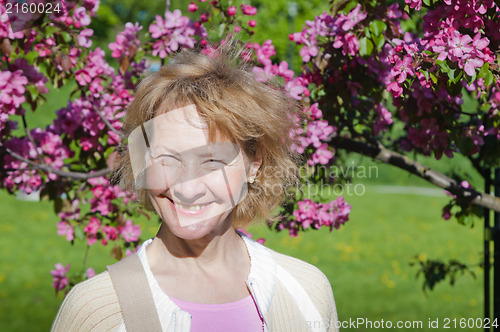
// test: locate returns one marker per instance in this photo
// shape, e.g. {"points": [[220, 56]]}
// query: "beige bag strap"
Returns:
{"points": [[136, 300]]}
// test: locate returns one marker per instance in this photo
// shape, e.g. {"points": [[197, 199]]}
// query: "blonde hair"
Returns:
{"points": [[257, 116]]}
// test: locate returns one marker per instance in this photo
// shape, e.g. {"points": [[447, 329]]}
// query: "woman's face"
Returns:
{"points": [[194, 185]]}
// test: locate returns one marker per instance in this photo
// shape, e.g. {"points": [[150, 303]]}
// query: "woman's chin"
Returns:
{"points": [[194, 230]]}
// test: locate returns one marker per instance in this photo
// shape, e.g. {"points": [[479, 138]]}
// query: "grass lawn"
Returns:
{"points": [[367, 260]]}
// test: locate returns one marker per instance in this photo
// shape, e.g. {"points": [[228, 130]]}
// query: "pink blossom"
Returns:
{"points": [[315, 112], [263, 74], [175, 19], [317, 131], [127, 41], [248, 10], [296, 87], [393, 11], [176, 31], [90, 273], [110, 234], [383, 120], [5, 27], [192, 7], [446, 213], [395, 89], [403, 68], [322, 155], [252, 23], [64, 228], [83, 39], [284, 72], [82, 77], [80, 17], [231, 11], [91, 230], [341, 211], [469, 63], [354, 17], [157, 30], [417, 4], [306, 212], [12, 90], [60, 280], [130, 232]]}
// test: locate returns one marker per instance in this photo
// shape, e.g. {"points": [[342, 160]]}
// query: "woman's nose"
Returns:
{"points": [[189, 191], [188, 185]]}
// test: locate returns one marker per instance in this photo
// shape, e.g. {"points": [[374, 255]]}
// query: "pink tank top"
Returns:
{"points": [[241, 316]]}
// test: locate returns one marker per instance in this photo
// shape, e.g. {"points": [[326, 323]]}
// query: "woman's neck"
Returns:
{"points": [[216, 250]]}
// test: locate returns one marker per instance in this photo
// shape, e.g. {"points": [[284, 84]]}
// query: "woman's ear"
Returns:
{"points": [[254, 166]]}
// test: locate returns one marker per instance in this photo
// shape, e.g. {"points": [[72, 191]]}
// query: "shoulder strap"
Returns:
{"points": [[136, 300]]}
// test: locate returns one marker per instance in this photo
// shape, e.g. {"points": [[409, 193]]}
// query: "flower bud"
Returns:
{"points": [[192, 7], [231, 11]]}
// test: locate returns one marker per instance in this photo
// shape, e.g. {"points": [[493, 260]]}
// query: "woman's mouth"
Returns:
{"points": [[190, 209]]}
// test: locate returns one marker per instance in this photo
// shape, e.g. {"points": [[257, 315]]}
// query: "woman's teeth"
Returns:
{"points": [[191, 207]]}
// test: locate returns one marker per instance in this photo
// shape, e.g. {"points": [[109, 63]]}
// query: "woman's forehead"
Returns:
{"points": [[184, 129]]}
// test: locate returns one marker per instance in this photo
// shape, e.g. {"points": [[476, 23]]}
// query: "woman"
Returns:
{"points": [[209, 151]]}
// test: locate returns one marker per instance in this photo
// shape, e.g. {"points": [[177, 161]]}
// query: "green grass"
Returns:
{"points": [[367, 260]]}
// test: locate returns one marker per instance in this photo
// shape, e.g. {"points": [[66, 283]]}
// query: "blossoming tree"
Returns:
{"points": [[365, 68]]}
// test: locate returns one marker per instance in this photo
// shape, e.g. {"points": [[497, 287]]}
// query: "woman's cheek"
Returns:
{"points": [[235, 185], [156, 180]]}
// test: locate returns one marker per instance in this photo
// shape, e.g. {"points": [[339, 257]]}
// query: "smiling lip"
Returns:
{"points": [[190, 210]]}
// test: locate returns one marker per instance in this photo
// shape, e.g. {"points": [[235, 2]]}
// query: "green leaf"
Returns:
{"points": [[488, 78], [377, 27], [443, 65], [484, 70], [379, 41], [455, 75], [425, 73], [368, 34], [79, 233], [222, 28], [66, 36], [365, 46], [433, 78]]}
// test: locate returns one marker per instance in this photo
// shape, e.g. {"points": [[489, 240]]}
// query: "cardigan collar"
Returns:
{"points": [[261, 279], [262, 276]]}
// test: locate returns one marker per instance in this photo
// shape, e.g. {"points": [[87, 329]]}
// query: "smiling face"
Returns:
{"points": [[193, 184]]}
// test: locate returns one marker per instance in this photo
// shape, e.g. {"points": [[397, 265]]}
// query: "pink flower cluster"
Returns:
{"points": [[127, 42], [103, 194], [12, 88], [60, 280], [78, 17], [50, 150], [316, 215], [102, 204], [430, 137], [172, 33], [5, 29], [95, 72], [294, 86], [324, 25], [316, 132]]}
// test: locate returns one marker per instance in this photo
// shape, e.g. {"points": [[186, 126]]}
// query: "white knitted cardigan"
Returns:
{"points": [[291, 295]]}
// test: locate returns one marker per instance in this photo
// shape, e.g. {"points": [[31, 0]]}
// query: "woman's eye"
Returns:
{"points": [[167, 160], [214, 163]]}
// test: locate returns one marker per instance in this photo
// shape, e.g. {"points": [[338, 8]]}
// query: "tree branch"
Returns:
{"points": [[46, 168], [381, 153], [108, 124]]}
